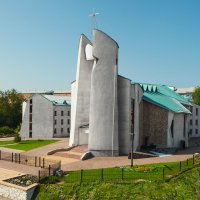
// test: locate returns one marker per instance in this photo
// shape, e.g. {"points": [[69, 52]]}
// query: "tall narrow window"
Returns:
{"points": [[31, 101], [61, 130], [30, 126], [55, 121], [68, 113], [30, 134], [55, 131], [68, 130], [196, 131], [55, 113], [30, 117], [62, 113], [31, 108], [191, 122], [196, 122], [172, 129], [197, 111], [68, 121], [61, 121]]}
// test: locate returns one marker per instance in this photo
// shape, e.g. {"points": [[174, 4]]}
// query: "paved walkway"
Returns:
{"points": [[107, 162], [42, 151], [6, 173], [19, 167]]}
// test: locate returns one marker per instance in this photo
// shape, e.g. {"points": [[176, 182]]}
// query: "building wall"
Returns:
{"points": [[103, 122], [179, 134], [124, 114], [155, 123], [81, 92], [136, 94], [194, 121], [62, 122], [42, 118]]}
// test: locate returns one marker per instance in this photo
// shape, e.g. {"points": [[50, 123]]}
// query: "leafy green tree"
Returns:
{"points": [[10, 108], [196, 95]]}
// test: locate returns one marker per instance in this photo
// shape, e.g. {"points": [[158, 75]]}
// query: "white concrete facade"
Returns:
{"points": [[43, 119]]}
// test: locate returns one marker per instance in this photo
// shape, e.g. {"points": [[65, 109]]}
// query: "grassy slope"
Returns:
{"points": [[26, 144], [185, 186]]}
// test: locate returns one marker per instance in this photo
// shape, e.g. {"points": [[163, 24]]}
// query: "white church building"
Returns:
{"points": [[106, 108]]}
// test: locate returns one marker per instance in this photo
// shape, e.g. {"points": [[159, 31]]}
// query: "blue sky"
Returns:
{"points": [[159, 40]]}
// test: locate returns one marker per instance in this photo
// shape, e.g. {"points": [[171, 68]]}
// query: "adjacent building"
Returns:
{"points": [[46, 116], [194, 119]]}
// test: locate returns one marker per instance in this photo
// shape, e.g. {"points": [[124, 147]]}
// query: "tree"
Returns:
{"points": [[196, 95], [10, 108]]}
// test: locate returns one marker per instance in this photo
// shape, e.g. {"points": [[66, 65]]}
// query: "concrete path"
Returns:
{"points": [[42, 151], [19, 168], [6, 173], [108, 162]]}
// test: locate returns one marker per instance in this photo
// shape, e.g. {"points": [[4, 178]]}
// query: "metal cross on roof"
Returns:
{"points": [[94, 22]]}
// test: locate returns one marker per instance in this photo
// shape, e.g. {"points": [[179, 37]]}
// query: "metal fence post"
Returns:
{"points": [[0, 154], [39, 174], [43, 162], [187, 162], [102, 174], [49, 170], [180, 166], [81, 180], [19, 158], [35, 161], [12, 156], [39, 161], [193, 159], [122, 173], [163, 173]]}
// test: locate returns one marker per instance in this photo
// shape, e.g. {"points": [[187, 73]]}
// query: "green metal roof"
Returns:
{"points": [[165, 97], [59, 100]]}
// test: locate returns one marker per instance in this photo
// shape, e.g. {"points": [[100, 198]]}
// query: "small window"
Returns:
{"points": [[61, 121], [191, 122], [30, 134], [30, 118], [68, 121], [55, 121], [31, 101], [197, 111], [190, 131], [62, 113], [196, 131], [30, 127], [191, 109], [61, 130], [55, 131], [68, 113], [196, 122], [55, 113], [31, 108], [68, 130]]}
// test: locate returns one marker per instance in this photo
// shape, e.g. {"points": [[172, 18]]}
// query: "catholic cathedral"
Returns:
{"points": [[106, 108]]}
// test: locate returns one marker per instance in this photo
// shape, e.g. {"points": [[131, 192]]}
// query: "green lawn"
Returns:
{"points": [[26, 144], [184, 186]]}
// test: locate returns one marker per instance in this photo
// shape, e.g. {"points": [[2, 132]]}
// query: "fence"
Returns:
{"points": [[146, 172], [48, 166]]}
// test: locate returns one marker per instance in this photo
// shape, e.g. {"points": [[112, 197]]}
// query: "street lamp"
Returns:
{"points": [[132, 141]]}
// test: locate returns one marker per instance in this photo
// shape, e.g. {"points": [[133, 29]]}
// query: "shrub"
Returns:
{"points": [[17, 138], [49, 180], [5, 130]]}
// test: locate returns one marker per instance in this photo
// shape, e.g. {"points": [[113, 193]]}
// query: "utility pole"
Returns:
{"points": [[132, 142]]}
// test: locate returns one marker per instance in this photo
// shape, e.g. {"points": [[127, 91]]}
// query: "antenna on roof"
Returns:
{"points": [[93, 15]]}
